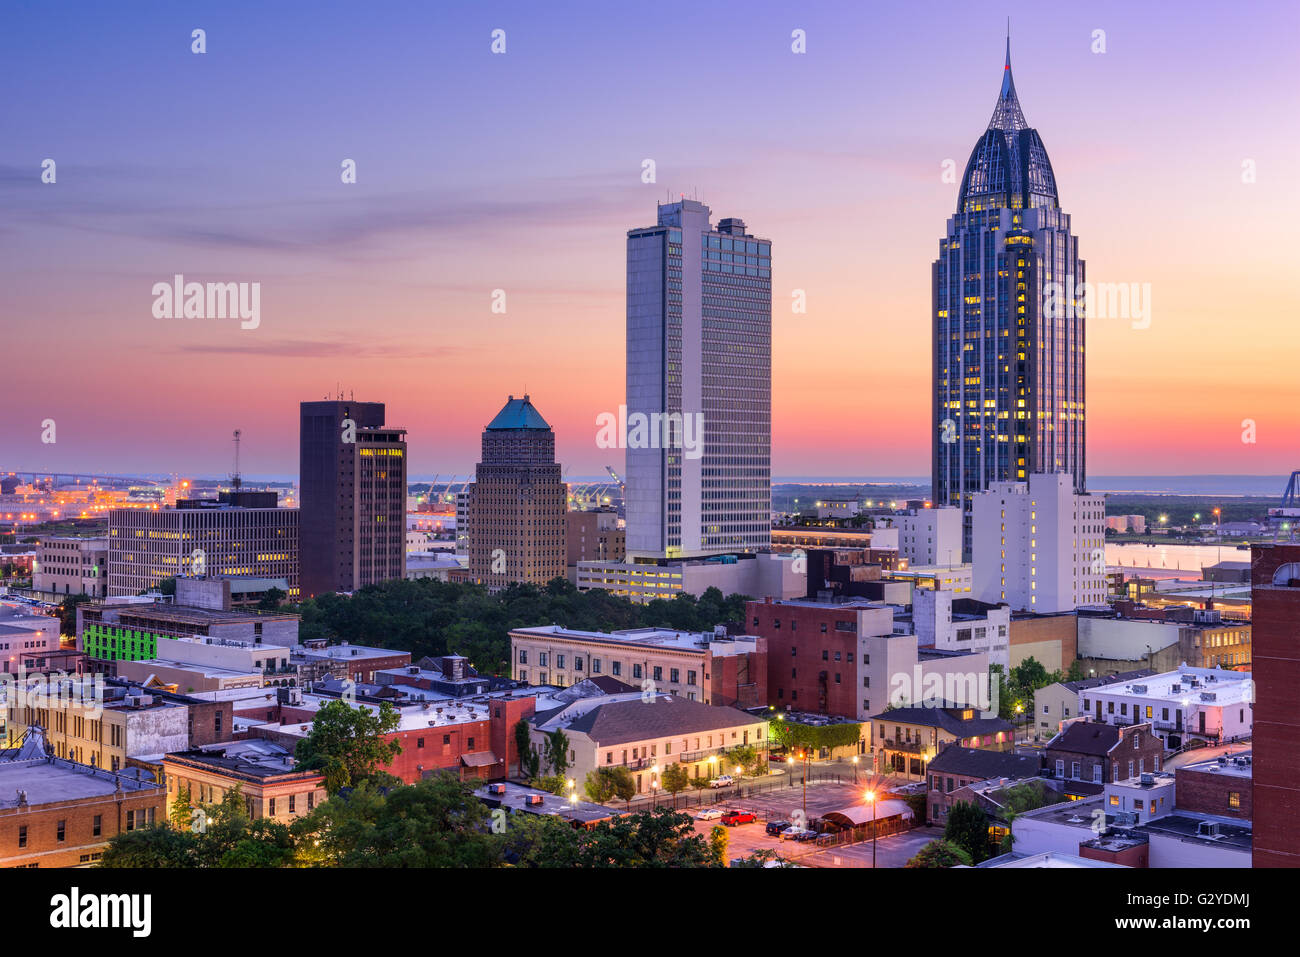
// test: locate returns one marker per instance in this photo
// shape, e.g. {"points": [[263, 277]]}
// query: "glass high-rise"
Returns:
{"points": [[1008, 324], [699, 358]]}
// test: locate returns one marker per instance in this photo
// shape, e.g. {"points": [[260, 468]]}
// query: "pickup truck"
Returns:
{"points": [[732, 818]]}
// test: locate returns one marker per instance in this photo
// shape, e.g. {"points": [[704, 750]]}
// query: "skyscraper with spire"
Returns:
{"points": [[1008, 326]]}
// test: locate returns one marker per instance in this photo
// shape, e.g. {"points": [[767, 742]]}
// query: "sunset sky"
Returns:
{"points": [[522, 172]]}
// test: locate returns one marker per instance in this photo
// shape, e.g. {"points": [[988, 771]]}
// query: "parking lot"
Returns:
{"points": [[891, 851]]}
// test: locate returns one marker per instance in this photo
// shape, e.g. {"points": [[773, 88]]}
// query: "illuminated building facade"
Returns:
{"points": [[240, 534], [699, 350], [518, 502], [1008, 340], [352, 477]]}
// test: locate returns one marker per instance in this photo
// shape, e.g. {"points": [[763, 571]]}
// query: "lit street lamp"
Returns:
{"points": [[871, 797], [855, 769]]}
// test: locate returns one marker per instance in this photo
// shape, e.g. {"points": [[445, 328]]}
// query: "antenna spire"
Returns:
{"points": [[235, 480]]}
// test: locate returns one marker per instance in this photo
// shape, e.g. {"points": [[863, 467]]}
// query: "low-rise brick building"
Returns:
{"points": [[1099, 753], [59, 813], [1222, 786]]}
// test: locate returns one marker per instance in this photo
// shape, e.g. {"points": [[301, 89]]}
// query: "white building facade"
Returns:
{"points": [[1039, 546]]}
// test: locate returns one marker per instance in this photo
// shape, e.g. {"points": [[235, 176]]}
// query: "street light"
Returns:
{"points": [[855, 769], [871, 798]]}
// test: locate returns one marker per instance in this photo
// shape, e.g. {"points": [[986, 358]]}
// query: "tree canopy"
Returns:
{"points": [[432, 618]]}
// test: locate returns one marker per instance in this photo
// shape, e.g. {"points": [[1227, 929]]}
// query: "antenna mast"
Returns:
{"points": [[235, 480]]}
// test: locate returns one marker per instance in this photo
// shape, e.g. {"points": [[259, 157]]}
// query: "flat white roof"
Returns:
{"points": [[1186, 686], [658, 637]]}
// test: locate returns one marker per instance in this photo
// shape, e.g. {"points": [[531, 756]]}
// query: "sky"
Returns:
{"points": [[1175, 152]]}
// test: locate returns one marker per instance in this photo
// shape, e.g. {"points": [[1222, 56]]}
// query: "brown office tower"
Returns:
{"points": [[1275, 661], [352, 496], [518, 502]]}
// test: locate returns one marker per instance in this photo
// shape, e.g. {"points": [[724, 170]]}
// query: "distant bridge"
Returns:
{"points": [[73, 478]]}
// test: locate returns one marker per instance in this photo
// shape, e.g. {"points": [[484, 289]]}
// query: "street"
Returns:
{"points": [[783, 804]]}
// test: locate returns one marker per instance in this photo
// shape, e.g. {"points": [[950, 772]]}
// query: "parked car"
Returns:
{"points": [[709, 814], [776, 827], [732, 818], [796, 833], [806, 835], [722, 781]]}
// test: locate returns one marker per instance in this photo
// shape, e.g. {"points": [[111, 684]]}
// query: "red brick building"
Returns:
{"points": [[812, 654], [474, 738], [1275, 619], [1098, 753], [57, 813], [1219, 786]]}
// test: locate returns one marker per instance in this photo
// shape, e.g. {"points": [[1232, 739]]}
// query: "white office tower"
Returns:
{"points": [[699, 387], [1038, 546], [930, 536]]}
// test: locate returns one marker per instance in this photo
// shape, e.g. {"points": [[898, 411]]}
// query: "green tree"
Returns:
{"points": [[674, 780], [150, 847], [719, 839], [553, 783], [940, 853], [539, 840], [68, 613], [624, 784], [271, 599], [182, 810], [436, 822], [348, 744], [523, 744], [763, 858], [658, 838], [599, 785], [744, 757], [968, 828], [557, 752]]}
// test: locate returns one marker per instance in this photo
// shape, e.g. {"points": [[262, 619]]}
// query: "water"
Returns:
{"points": [[1187, 560]]}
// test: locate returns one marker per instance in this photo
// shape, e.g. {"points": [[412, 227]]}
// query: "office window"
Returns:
{"points": [[270, 807], [61, 830], [98, 825], [293, 800], [22, 835]]}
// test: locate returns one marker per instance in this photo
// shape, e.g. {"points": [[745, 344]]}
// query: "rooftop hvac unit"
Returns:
{"points": [[535, 799], [1139, 689], [496, 789], [1147, 778], [1176, 688], [1209, 696], [1208, 829]]}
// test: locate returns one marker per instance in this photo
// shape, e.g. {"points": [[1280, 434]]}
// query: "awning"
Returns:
{"points": [[478, 759], [856, 815]]}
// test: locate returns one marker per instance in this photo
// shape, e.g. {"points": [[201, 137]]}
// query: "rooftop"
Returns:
{"points": [[984, 764], [1204, 686], [659, 637], [518, 414], [621, 721], [28, 776], [1230, 765], [253, 759]]}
